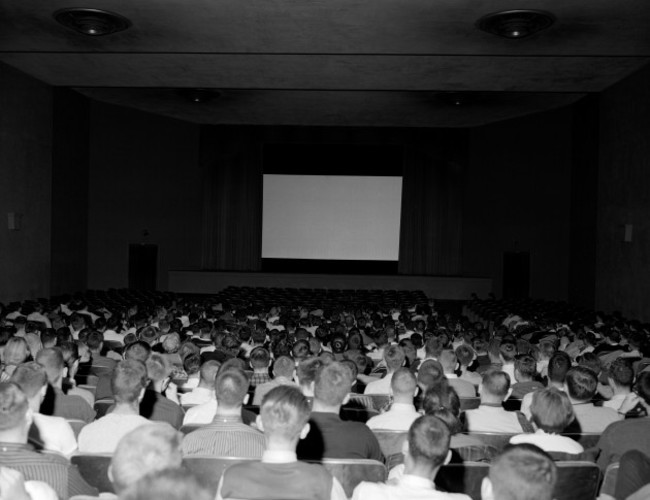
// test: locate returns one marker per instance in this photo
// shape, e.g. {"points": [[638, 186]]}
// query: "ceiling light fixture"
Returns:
{"points": [[92, 22], [516, 23]]}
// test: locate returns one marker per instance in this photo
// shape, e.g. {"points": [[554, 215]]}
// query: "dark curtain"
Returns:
{"points": [[432, 204], [232, 199]]}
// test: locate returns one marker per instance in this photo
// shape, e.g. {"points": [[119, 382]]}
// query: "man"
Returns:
{"points": [[284, 419], [525, 370], [521, 472], [463, 388], [260, 361], [630, 434], [466, 357], [128, 382], [402, 413], [56, 402], [581, 384], [155, 405], [490, 416], [100, 364], [138, 351], [227, 435], [558, 367], [53, 469], [394, 357], [283, 369], [306, 375], [203, 392], [331, 437], [425, 451], [620, 377], [47, 432]]}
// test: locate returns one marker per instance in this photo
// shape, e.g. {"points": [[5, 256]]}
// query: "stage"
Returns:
{"points": [[437, 287]]}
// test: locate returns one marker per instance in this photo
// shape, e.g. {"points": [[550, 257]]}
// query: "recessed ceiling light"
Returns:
{"points": [[92, 22], [516, 23]]}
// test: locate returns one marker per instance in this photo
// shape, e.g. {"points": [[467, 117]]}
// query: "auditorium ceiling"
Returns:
{"points": [[331, 62]]}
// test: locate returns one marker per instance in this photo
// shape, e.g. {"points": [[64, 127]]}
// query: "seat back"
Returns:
{"points": [[609, 480], [390, 442], [351, 472], [208, 469], [512, 404], [462, 478], [101, 406], [586, 439], [469, 403], [76, 425], [495, 439], [187, 428], [94, 469], [577, 481], [357, 414]]}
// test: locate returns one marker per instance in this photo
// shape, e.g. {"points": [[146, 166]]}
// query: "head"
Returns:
{"points": [[332, 384], [465, 355], [32, 380], [158, 367], [427, 445], [16, 351], [95, 342], [137, 350], [52, 360], [558, 367], [15, 418], [284, 366], [525, 368], [441, 399], [145, 450], [231, 387], [433, 348], [128, 381], [581, 384], [430, 375], [642, 388], [521, 472], [448, 360], [284, 414], [508, 352], [495, 386], [621, 374], [551, 410], [306, 374], [208, 373], [260, 358], [394, 356], [404, 386]]}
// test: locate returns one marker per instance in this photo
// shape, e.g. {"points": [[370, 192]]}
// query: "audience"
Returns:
{"points": [[394, 357], [525, 371], [402, 411], [283, 370], [160, 402], [463, 388], [204, 391]]}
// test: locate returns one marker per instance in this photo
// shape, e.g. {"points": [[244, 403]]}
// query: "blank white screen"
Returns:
{"points": [[331, 217]]}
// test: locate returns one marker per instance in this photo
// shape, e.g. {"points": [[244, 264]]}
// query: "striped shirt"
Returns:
{"points": [[53, 469], [226, 436]]}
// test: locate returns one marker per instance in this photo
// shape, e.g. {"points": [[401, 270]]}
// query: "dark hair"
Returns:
{"points": [[128, 379], [523, 472], [428, 440], [581, 383]]}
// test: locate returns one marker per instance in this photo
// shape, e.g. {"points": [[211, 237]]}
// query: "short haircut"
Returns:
{"points": [[284, 411], [581, 383], [16, 351], [307, 370], [404, 382], [52, 360], [430, 373], [192, 363], [621, 372], [231, 385], [260, 357], [465, 354], [333, 384], [138, 350], [394, 356], [147, 449], [158, 368], [128, 379], [428, 439], [352, 366], [433, 347], [558, 366], [171, 484], [300, 349], [591, 361], [526, 365], [496, 383], [523, 472], [448, 360], [30, 377], [209, 370], [508, 351], [551, 410], [13, 406], [443, 398], [642, 386], [94, 340], [284, 367]]}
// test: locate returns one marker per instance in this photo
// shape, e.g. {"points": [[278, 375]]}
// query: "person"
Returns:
{"points": [[171, 484], [551, 412], [394, 357], [47, 432], [204, 391], [56, 402], [100, 364], [329, 436], [581, 384], [129, 381], [402, 411], [283, 418], [227, 435], [520, 472], [14, 487], [463, 388], [51, 468], [306, 375], [558, 367], [260, 361], [160, 401], [620, 378], [466, 358], [525, 371], [283, 369], [490, 416], [425, 450], [629, 434]]}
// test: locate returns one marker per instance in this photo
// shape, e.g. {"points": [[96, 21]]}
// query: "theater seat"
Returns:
{"points": [[469, 403], [609, 479], [208, 469], [586, 439], [391, 442], [76, 425], [495, 439], [94, 469], [351, 472]]}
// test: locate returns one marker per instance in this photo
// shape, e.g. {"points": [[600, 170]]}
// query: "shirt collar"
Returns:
{"points": [[402, 407], [15, 447], [417, 481], [279, 456], [226, 419]]}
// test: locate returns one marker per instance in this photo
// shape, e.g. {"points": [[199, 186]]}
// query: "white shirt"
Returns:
{"points": [[381, 386], [201, 414], [398, 418], [408, 487], [549, 442], [492, 419], [615, 402], [102, 436], [56, 434], [198, 396]]}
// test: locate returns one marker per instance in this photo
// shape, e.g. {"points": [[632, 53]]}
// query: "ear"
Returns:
{"points": [[305, 430], [258, 423], [141, 396], [109, 473], [246, 398], [64, 372], [346, 399], [417, 389], [487, 492], [405, 447], [448, 457]]}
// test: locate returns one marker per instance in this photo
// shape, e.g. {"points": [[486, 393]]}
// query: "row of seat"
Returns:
{"points": [[576, 480]]}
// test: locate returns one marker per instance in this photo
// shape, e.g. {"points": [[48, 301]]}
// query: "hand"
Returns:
{"points": [[629, 403], [12, 485], [172, 392]]}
